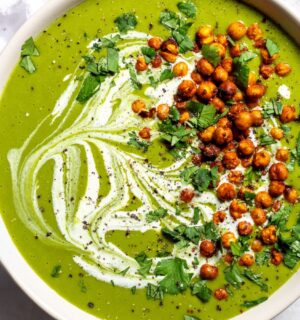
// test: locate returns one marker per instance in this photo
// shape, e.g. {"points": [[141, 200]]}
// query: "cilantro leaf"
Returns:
{"points": [[201, 291], [144, 262], [156, 215], [154, 292], [280, 218], [205, 115], [187, 317], [271, 108], [272, 47], [27, 64], [106, 42], [138, 143], [167, 74], [196, 216], [176, 278], [112, 60], [169, 19], [56, 271], [184, 42], [241, 71], [266, 140], [126, 22], [89, 87], [29, 48], [263, 257], [133, 78], [211, 53], [209, 231], [247, 56], [252, 303], [188, 8], [149, 53], [233, 276], [256, 278]]}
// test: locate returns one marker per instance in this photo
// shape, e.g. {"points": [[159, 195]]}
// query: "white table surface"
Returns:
{"points": [[14, 304]]}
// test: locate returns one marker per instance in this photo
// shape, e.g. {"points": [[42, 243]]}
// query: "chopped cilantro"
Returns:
{"points": [[174, 114], [56, 271], [149, 53], [271, 108], [211, 53], [126, 22], [138, 143], [263, 257], [154, 292], [196, 216], [209, 231], [272, 47], [82, 286], [153, 82], [133, 78], [188, 8], [233, 276], [27, 64], [280, 218], [201, 291], [144, 262], [241, 71], [249, 197], [112, 60], [169, 19], [167, 74], [123, 272], [133, 290], [156, 215], [252, 303], [89, 87], [247, 56], [188, 317], [29, 48], [266, 140], [255, 278], [184, 42], [251, 176], [106, 42]]}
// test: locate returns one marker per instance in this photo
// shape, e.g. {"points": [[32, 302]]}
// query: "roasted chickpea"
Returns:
{"points": [[247, 260], [247, 162], [226, 191], [228, 238], [276, 206], [276, 188], [261, 43], [267, 59], [266, 71], [283, 69], [235, 177], [196, 77], [155, 43], [256, 245], [184, 117], [254, 32], [256, 91], [141, 64], [208, 272], [277, 133], [278, 171], [169, 57], [235, 51], [180, 69], [223, 136], [242, 192], [227, 64], [227, 90], [230, 160], [138, 106], [221, 49], [224, 123], [221, 38], [205, 35], [219, 217], [197, 159], [187, 89], [245, 228], [206, 135], [237, 209], [228, 257], [157, 61], [163, 111], [243, 120], [205, 68], [246, 147], [207, 90], [288, 114], [263, 200], [291, 195], [145, 133], [170, 46], [218, 103], [282, 154], [210, 151], [221, 294], [269, 235], [237, 30], [276, 257], [257, 118], [207, 248], [235, 110], [261, 159], [220, 74], [252, 78], [259, 216], [238, 97], [187, 195]]}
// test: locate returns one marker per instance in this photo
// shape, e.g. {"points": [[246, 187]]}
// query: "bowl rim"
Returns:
{"points": [[26, 278]]}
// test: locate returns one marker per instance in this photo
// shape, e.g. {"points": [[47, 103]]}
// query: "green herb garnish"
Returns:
{"points": [[252, 303], [144, 262], [272, 47], [137, 143], [126, 22], [211, 53], [156, 215], [201, 291], [188, 8], [29, 50], [56, 271]]}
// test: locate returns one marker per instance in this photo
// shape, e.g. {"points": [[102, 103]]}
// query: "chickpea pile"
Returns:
{"points": [[227, 143]]}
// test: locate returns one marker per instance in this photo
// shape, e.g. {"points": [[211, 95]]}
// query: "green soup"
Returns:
{"points": [[81, 204]]}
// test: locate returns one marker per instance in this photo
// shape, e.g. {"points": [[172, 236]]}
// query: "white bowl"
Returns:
{"points": [[10, 257]]}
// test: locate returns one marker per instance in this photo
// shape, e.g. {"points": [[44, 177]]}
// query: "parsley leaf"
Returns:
{"points": [[106, 42], [184, 42], [112, 60], [167, 74], [241, 71], [256, 278], [29, 48], [149, 53], [271, 108], [56, 271], [133, 78], [266, 140], [155, 292], [196, 216], [263, 257], [272, 47], [169, 19], [126, 22], [27, 64], [144, 262], [247, 56], [156, 215], [233, 276], [176, 278], [188, 8], [211, 54], [89, 87], [201, 291], [138, 143], [280, 218], [252, 303]]}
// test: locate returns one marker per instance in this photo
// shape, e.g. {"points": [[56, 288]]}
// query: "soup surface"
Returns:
{"points": [[125, 182]]}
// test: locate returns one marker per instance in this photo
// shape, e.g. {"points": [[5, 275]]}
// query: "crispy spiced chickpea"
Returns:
{"points": [[187, 89], [180, 69], [219, 217], [276, 257], [238, 97], [252, 78], [263, 200], [222, 39], [278, 171], [163, 111], [207, 248], [256, 245], [227, 90], [235, 51], [227, 64], [205, 34], [243, 120], [283, 69], [226, 191], [266, 71], [222, 136], [220, 74], [155, 43], [254, 32], [196, 77], [218, 103], [227, 238], [169, 57], [207, 90], [228, 257], [244, 228], [211, 151], [282, 154], [235, 110], [257, 118], [276, 188], [267, 59], [277, 133], [141, 64], [237, 209], [246, 147], [197, 159], [269, 235], [247, 162], [242, 192], [187, 195], [145, 133], [291, 195], [231, 160], [235, 177], [237, 30], [259, 216], [138, 106], [247, 260], [184, 117], [255, 91], [220, 48], [224, 123], [170, 46], [157, 61], [261, 159], [221, 294], [204, 67], [288, 114], [206, 135], [208, 272]]}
